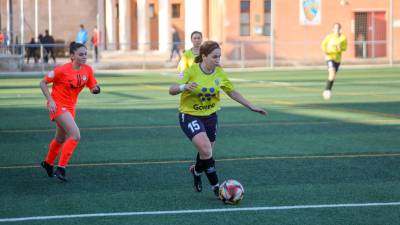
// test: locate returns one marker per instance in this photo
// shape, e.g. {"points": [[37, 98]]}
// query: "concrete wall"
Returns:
{"points": [[67, 15], [231, 31], [297, 41], [11, 63], [179, 23]]}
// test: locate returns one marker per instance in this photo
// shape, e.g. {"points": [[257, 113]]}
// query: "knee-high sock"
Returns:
{"points": [[329, 84], [199, 167], [67, 150], [211, 172], [54, 149]]}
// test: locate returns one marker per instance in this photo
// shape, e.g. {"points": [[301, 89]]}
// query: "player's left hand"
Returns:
{"points": [[259, 110]]}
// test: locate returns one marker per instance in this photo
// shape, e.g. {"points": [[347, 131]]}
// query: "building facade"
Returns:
{"points": [[266, 30]]}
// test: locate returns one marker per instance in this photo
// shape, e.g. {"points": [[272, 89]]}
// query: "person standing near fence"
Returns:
{"points": [[200, 87], [176, 41], [82, 35], [189, 55], [32, 51], [95, 42], [2, 40], [333, 46], [49, 42], [68, 81], [4, 43]]}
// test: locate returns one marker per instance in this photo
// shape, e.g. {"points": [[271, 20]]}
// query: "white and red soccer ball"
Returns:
{"points": [[231, 192]]}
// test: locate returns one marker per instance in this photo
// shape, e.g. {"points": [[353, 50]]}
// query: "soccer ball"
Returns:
{"points": [[327, 94], [231, 192]]}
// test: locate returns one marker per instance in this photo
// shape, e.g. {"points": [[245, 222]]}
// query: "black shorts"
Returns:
{"points": [[192, 125], [333, 64]]}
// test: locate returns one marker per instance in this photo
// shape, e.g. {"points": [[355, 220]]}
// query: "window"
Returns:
{"points": [[267, 18], [151, 10], [176, 10], [245, 18]]}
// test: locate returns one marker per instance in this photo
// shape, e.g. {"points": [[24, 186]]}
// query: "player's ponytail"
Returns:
{"points": [[205, 49], [198, 59]]}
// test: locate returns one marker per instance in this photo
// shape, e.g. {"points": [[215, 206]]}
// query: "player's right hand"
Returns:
{"points": [[51, 106]]}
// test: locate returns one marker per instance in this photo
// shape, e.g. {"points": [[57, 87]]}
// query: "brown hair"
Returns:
{"points": [[340, 25], [205, 49], [73, 46], [196, 32]]}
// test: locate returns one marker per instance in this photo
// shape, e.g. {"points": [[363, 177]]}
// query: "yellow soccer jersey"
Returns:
{"points": [[333, 46], [187, 60], [205, 99]]}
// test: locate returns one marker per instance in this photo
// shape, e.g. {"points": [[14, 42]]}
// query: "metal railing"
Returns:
{"points": [[241, 54]]}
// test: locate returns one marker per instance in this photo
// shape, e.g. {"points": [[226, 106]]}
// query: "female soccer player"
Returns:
{"points": [[333, 45], [200, 86], [68, 81], [189, 55]]}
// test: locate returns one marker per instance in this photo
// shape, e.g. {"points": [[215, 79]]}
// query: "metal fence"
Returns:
{"points": [[238, 54], [33, 57], [305, 53]]}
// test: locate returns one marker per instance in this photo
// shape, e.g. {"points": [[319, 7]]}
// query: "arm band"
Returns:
{"points": [[182, 87]]}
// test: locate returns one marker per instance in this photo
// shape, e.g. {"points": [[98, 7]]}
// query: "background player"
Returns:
{"points": [[200, 86], [176, 42], [333, 45], [68, 81], [190, 54]]}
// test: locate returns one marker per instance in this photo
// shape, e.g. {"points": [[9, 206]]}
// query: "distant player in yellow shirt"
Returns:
{"points": [[200, 87], [333, 45], [190, 54]]}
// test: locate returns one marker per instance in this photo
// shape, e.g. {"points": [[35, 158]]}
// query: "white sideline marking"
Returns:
{"points": [[261, 82], [220, 160], [199, 211]]}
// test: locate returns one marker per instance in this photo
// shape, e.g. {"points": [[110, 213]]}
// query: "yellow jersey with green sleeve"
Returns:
{"points": [[333, 46], [187, 60], [204, 100]]}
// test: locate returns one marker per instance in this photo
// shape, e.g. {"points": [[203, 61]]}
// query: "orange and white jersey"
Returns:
{"points": [[68, 83]]}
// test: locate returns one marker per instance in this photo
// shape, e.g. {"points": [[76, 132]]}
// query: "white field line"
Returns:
{"points": [[258, 124], [300, 157], [283, 123], [268, 208], [238, 80]]}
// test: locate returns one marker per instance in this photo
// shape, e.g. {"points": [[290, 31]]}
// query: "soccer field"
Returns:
{"points": [[309, 161]]}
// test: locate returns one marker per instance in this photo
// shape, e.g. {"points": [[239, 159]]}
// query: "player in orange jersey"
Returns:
{"points": [[68, 81]]}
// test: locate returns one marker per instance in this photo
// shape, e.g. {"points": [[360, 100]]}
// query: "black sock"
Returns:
{"points": [[211, 172], [199, 167], [329, 84]]}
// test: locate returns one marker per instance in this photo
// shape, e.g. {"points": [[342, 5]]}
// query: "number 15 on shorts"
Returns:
{"points": [[194, 126]]}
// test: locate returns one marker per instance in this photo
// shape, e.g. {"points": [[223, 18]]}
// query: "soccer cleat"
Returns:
{"points": [[327, 94], [215, 189], [48, 168], [60, 173], [196, 180]]}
